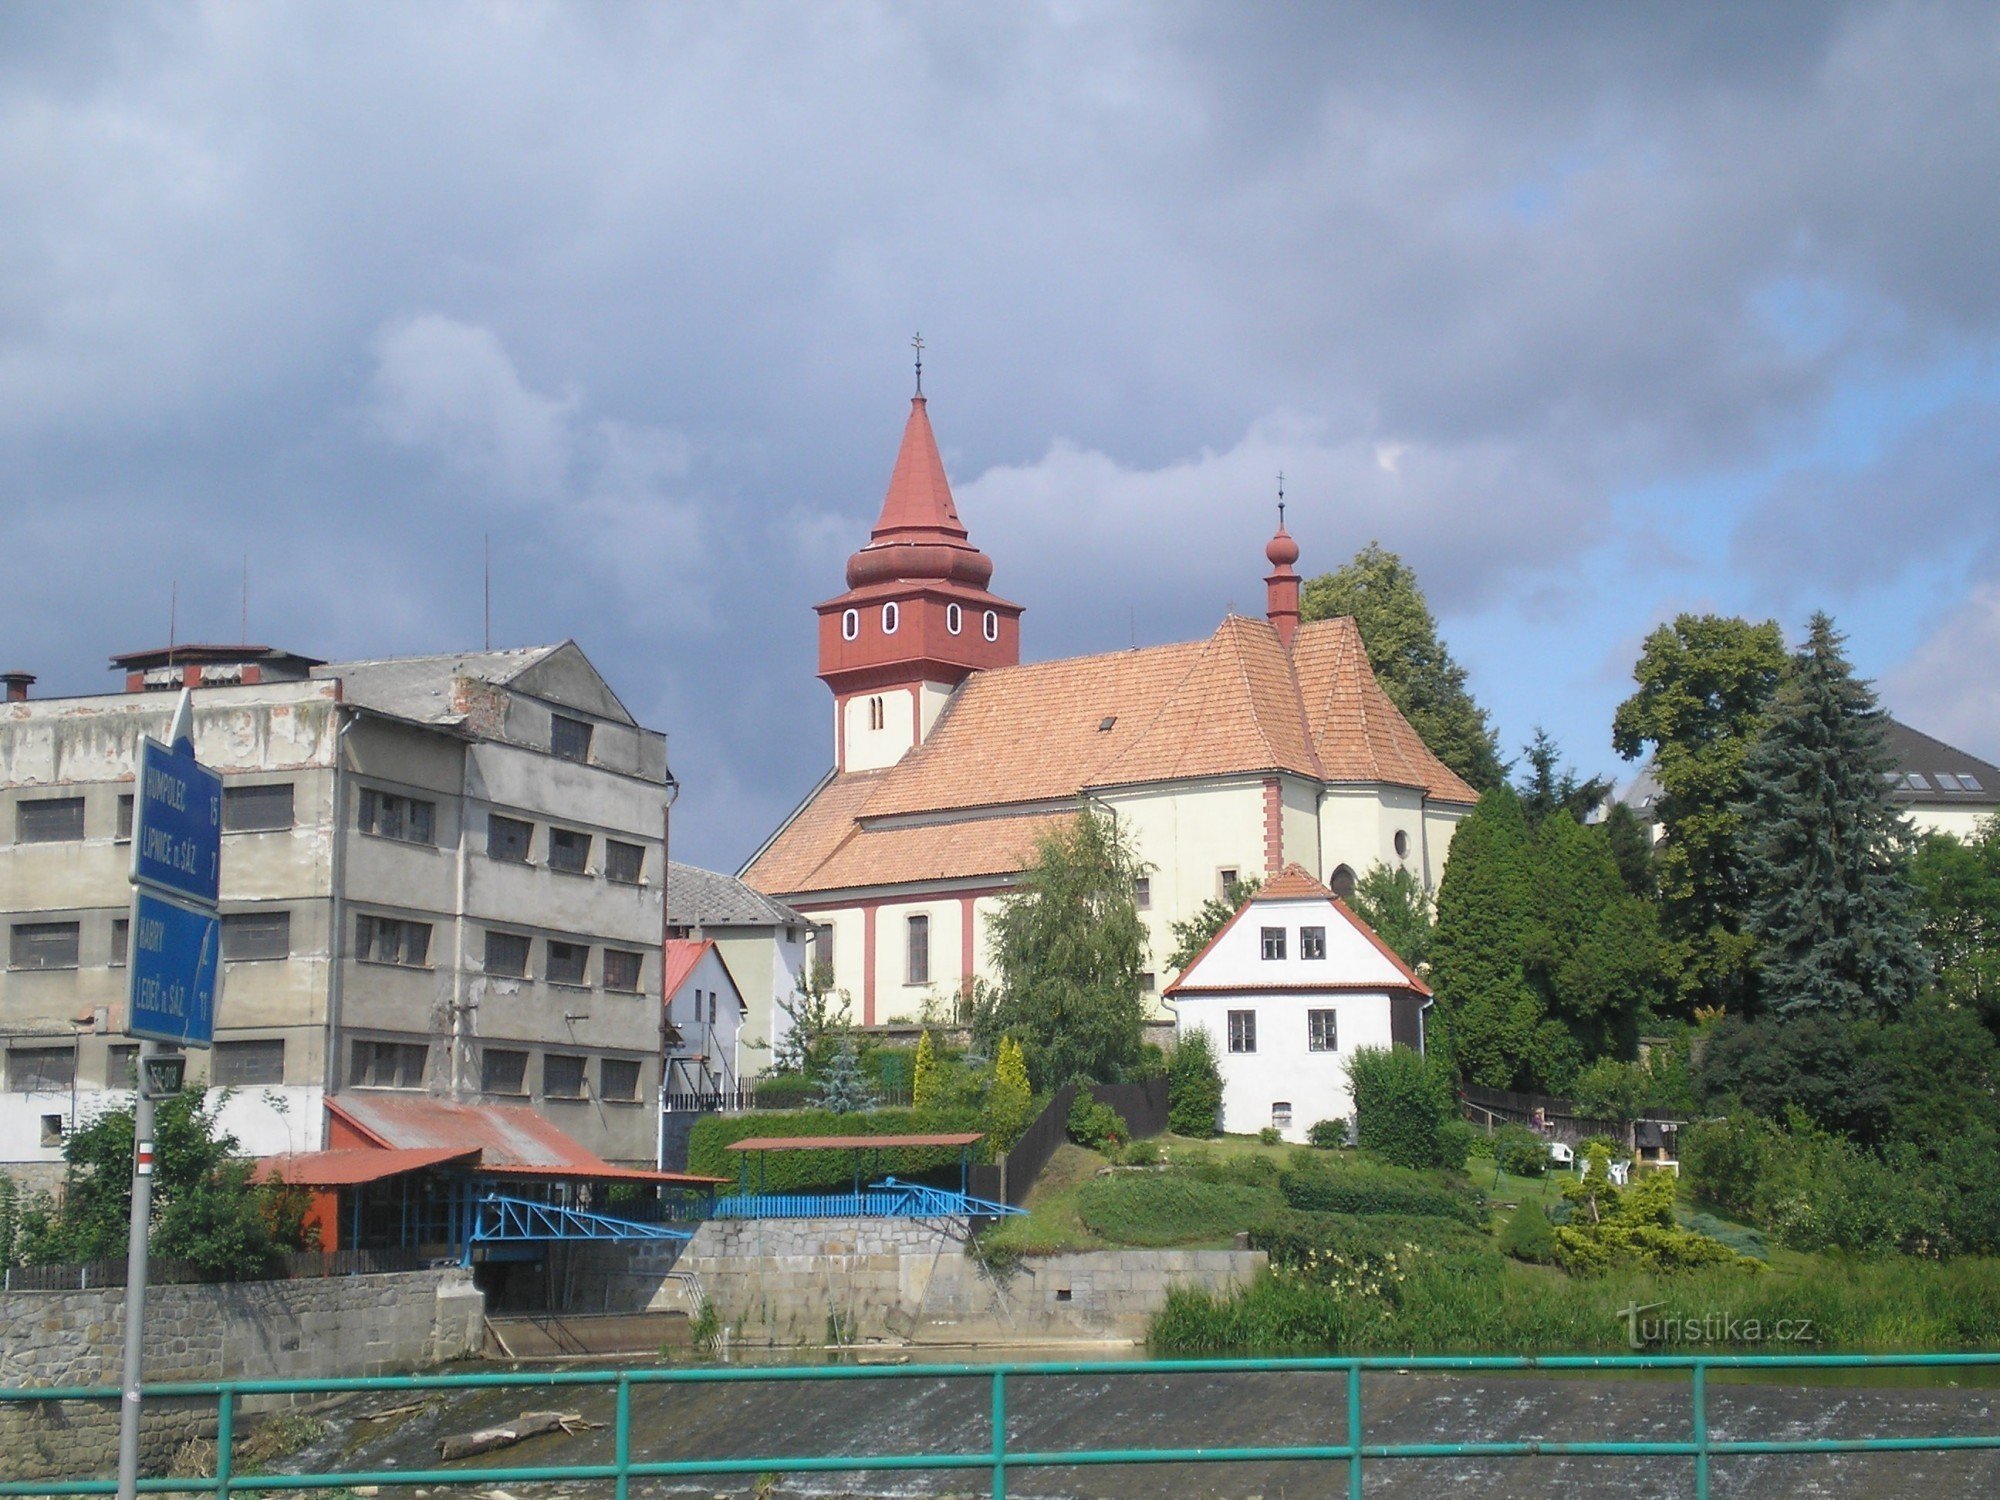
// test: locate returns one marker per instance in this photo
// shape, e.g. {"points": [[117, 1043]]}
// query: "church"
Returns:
{"points": [[1268, 743]]}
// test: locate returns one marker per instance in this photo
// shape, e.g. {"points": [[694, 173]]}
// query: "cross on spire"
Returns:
{"points": [[917, 343], [1281, 499]]}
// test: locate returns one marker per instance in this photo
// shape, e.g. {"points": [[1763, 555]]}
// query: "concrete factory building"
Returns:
{"points": [[440, 875]]}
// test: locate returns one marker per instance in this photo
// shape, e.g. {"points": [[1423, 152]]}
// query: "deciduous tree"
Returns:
{"points": [[1395, 903], [1958, 895], [1193, 935], [1401, 637]]}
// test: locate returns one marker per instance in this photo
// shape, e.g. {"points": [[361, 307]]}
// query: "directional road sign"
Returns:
{"points": [[176, 951], [177, 824]]}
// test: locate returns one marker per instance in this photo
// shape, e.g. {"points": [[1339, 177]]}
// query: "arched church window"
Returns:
{"points": [[992, 626], [875, 714], [1342, 883], [954, 618], [850, 624], [891, 617]]}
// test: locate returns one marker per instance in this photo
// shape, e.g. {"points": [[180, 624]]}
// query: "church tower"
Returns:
{"points": [[917, 618]]}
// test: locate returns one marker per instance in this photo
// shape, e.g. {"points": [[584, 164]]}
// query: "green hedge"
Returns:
{"points": [[816, 1171], [1380, 1190], [1290, 1236]]}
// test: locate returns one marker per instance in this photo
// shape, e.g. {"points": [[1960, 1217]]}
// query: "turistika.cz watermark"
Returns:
{"points": [[1710, 1328]]}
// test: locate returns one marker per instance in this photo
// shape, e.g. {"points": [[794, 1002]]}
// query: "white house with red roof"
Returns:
{"points": [[1287, 991], [1269, 742], [705, 1016]]}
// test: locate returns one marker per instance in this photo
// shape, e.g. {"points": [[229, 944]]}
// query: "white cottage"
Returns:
{"points": [[703, 1034], [1286, 992]]}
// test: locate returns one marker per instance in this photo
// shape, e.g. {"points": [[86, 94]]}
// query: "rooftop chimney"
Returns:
{"points": [[18, 684]]}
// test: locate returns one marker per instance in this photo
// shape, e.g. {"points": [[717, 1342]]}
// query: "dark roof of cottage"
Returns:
{"points": [[708, 898]]}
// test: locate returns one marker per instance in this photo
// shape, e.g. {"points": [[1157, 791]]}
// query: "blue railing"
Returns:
{"points": [[503, 1220], [1335, 1437], [888, 1199]]}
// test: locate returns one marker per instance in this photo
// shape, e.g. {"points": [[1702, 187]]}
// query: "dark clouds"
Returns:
{"points": [[350, 288]]}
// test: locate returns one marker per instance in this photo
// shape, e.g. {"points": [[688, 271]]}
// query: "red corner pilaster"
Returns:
{"points": [[1274, 826]]}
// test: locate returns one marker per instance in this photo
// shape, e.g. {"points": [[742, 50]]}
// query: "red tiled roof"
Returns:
{"points": [[1293, 883], [681, 956], [351, 1166], [852, 1142]]}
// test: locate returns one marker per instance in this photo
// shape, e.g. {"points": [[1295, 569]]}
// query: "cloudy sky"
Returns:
{"points": [[1594, 313]]}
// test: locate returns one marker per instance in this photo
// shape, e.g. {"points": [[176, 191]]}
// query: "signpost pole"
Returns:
{"points": [[135, 1279]]}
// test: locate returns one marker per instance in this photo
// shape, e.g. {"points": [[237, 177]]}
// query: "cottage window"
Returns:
{"points": [[40, 1070], [621, 971], [390, 815], [569, 963], [49, 820], [247, 1062], [920, 950], [257, 934], [618, 1079], [1274, 942], [257, 809], [562, 1075], [43, 945], [1322, 1031], [569, 851], [503, 1071], [1312, 942], [391, 940], [507, 955], [508, 839], [623, 862], [387, 1065], [1243, 1031], [1281, 1114], [1142, 893], [569, 739]]}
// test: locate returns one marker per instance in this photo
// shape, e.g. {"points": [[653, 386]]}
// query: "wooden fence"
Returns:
{"points": [[1008, 1179], [1559, 1118]]}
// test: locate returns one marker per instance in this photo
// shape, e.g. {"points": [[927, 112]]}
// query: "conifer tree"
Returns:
{"points": [[1010, 1102], [1400, 636], [1831, 905], [1594, 954], [1393, 902], [926, 1077], [842, 1089]]}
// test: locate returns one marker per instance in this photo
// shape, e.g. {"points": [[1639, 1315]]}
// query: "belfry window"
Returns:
{"points": [[875, 713], [992, 626], [891, 617], [954, 618], [850, 624]]}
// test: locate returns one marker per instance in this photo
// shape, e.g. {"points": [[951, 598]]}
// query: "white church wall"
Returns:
{"points": [[1299, 809], [897, 997], [1190, 832]]}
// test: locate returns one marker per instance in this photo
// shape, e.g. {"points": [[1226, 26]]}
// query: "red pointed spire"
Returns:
{"points": [[919, 498]]}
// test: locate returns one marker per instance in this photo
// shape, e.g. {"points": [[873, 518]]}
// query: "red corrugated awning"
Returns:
{"points": [[353, 1167], [852, 1142]]}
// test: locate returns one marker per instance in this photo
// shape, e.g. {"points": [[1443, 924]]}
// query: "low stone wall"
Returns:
{"points": [[813, 1281], [259, 1330]]}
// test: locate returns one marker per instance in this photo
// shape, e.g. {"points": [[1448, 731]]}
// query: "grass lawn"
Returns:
{"points": [[1052, 1224]]}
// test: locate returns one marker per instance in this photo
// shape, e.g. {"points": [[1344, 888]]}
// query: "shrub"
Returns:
{"points": [[1169, 1208], [1141, 1154], [1010, 1104], [1725, 1161], [1528, 1235], [783, 1091], [1634, 1226], [1095, 1125], [1481, 1146], [1291, 1237], [1380, 1190], [1270, 1135], [1743, 1241], [1403, 1102], [1327, 1135], [1520, 1151], [1194, 1087]]}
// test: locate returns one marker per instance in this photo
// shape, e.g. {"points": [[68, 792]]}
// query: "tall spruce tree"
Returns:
{"points": [[1491, 1023], [1547, 786], [1704, 683], [1401, 637], [1831, 905]]}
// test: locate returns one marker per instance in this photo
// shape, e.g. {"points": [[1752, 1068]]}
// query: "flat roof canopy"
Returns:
{"points": [[852, 1142]]}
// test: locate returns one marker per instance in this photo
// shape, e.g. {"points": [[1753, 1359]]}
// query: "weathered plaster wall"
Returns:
{"points": [[792, 1281], [268, 1330]]}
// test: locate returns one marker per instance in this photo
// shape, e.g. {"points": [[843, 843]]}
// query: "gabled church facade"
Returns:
{"points": [[1225, 759]]}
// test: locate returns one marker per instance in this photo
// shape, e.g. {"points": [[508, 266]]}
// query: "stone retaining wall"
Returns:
{"points": [[814, 1281], [259, 1330]]}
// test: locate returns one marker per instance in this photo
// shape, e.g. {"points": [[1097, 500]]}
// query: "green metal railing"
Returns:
{"points": [[997, 1456]]}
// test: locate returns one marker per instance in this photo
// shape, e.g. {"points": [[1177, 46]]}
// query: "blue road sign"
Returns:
{"points": [[177, 824], [176, 953]]}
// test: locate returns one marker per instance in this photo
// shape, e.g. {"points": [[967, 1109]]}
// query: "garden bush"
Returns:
{"points": [[1169, 1208], [1724, 1161], [1404, 1104], [1245, 1169], [1361, 1189], [1292, 1237], [1520, 1151], [783, 1091], [1529, 1236], [1270, 1135], [1633, 1226], [1194, 1087], [1096, 1125], [1327, 1135]]}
